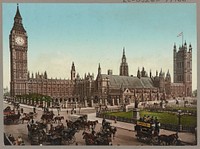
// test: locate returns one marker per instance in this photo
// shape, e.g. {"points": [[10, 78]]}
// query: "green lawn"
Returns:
{"points": [[166, 118]]}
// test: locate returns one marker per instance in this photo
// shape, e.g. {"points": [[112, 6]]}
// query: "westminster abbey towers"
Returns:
{"points": [[85, 88]]}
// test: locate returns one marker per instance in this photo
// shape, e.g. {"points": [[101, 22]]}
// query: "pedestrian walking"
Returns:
{"points": [[67, 111], [34, 109], [22, 110], [19, 140], [115, 119], [32, 121], [103, 122]]}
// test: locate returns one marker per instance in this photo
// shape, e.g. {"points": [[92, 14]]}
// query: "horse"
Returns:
{"points": [[168, 139], [92, 123], [69, 123], [26, 118], [47, 116], [113, 130], [58, 118], [41, 125], [89, 138], [110, 129], [59, 128]]}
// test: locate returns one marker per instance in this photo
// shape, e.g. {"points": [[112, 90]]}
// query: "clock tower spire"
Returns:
{"points": [[18, 57]]}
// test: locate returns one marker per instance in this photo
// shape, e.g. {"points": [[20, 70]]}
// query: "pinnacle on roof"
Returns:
{"points": [[124, 51], [174, 45], [185, 43], [18, 15]]}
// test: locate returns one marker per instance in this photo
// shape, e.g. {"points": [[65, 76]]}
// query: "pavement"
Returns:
{"points": [[186, 137]]}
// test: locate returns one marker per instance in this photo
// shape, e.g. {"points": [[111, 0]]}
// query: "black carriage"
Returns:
{"points": [[11, 118], [145, 132], [68, 136], [36, 134]]}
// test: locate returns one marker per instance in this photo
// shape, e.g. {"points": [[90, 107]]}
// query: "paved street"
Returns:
{"points": [[125, 134]]}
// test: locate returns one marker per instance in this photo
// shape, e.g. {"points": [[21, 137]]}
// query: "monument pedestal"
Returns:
{"points": [[136, 114]]}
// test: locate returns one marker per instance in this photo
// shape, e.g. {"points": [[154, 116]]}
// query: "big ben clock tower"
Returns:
{"points": [[18, 57]]}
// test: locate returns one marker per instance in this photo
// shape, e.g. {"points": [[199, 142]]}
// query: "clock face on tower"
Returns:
{"points": [[19, 40]]}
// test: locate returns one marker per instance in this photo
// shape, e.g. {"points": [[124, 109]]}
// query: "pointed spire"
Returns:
{"points": [[190, 48], [73, 66], [160, 74], [99, 69], [168, 74], [123, 56], [45, 75], [18, 15], [174, 47], [138, 73], [150, 74], [124, 51]]}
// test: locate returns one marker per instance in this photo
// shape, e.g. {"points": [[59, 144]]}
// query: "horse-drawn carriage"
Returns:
{"points": [[145, 132], [8, 111], [60, 135], [103, 137], [77, 121], [36, 134], [10, 116], [100, 138], [48, 116]]}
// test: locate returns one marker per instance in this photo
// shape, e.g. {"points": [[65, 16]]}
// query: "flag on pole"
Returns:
{"points": [[180, 34]]}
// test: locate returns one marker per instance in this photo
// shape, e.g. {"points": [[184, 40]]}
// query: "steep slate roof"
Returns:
{"points": [[128, 82]]}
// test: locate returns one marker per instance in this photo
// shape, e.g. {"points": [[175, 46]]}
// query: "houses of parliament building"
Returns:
{"points": [[105, 88]]}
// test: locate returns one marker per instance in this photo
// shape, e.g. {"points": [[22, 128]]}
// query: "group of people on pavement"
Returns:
{"points": [[18, 141], [153, 121]]}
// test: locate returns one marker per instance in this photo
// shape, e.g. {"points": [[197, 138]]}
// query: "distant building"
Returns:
{"points": [[106, 88]]}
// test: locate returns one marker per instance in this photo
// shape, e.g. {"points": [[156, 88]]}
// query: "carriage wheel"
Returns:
{"points": [[72, 140], [9, 121], [162, 143], [154, 141]]}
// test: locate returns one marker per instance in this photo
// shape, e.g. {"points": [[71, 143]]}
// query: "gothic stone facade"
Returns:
{"points": [[107, 88]]}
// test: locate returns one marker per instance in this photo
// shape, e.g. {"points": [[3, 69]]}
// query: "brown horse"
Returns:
{"points": [[168, 139]]}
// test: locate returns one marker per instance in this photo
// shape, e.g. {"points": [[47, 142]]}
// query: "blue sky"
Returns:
{"points": [[89, 34]]}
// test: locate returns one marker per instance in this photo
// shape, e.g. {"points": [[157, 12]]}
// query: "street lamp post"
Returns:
{"points": [[179, 120]]}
